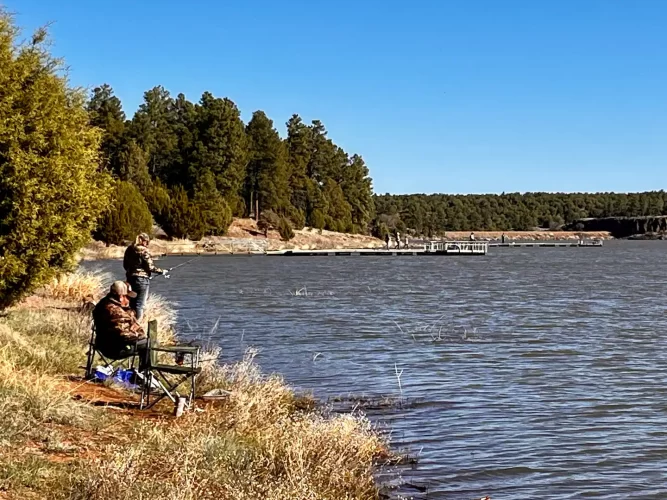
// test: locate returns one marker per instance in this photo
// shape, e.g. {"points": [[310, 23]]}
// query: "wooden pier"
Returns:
{"points": [[432, 248], [428, 248]]}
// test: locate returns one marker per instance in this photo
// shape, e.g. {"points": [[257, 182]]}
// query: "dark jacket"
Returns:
{"points": [[115, 326], [139, 262]]}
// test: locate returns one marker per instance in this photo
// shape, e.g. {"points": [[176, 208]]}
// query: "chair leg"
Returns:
{"points": [[145, 390], [89, 362], [192, 392]]}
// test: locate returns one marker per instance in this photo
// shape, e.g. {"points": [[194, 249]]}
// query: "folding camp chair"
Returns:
{"points": [[108, 361], [166, 378]]}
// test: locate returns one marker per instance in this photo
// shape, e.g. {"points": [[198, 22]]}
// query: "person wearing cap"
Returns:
{"points": [[139, 266], [118, 333]]}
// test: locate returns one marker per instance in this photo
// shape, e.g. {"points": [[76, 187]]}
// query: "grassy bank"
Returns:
{"points": [[62, 437]]}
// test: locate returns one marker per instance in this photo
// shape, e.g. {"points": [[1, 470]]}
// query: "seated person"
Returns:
{"points": [[118, 334]]}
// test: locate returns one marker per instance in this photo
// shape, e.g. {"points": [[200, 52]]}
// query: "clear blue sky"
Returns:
{"points": [[465, 96]]}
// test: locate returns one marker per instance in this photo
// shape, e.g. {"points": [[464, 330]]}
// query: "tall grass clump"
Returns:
{"points": [[77, 286]]}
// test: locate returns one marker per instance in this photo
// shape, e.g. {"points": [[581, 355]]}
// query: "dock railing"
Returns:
{"points": [[464, 247]]}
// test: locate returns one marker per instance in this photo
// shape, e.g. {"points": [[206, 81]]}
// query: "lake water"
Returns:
{"points": [[529, 373]]}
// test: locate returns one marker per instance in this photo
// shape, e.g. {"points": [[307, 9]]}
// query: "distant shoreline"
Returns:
{"points": [[244, 238]]}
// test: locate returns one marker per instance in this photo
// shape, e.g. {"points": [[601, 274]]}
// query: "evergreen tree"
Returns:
{"points": [[158, 201], [215, 213], [153, 129], [131, 165], [185, 128], [184, 219], [285, 229], [126, 216], [337, 206], [298, 157], [267, 182], [317, 219], [51, 189], [358, 191], [221, 148], [106, 112]]}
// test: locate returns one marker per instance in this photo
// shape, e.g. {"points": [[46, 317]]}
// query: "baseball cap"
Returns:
{"points": [[121, 288]]}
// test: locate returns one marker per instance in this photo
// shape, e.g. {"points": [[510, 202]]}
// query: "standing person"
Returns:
{"points": [[398, 240], [139, 267], [387, 239], [502, 238]]}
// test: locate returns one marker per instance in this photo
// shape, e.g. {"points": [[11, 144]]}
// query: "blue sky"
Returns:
{"points": [[465, 96]]}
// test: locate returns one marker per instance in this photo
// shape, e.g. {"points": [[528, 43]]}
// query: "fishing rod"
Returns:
{"points": [[167, 271]]}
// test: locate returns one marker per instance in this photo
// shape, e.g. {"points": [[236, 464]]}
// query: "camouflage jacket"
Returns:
{"points": [[139, 262], [115, 325]]}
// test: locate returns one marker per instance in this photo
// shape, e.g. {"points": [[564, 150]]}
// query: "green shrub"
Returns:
{"points": [[184, 219], [317, 219], [158, 200], [127, 216], [51, 189], [285, 229], [215, 212], [297, 218]]}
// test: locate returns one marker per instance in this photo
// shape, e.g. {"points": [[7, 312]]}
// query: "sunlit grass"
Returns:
{"points": [[260, 441]]}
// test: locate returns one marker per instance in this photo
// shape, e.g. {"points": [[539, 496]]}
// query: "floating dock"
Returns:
{"points": [[433, 248], [429, 248]]}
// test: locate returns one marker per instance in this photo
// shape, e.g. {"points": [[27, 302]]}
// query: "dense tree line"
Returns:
{"points": [[197, 165], [432, 215]]}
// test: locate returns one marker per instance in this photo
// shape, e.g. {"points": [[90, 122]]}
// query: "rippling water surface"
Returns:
{"points": [[538, 373]]}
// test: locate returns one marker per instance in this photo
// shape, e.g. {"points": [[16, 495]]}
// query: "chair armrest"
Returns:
{"points": [[176, 348]]}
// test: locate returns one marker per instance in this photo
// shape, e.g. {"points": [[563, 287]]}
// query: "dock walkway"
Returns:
{"points": [[431, 248]]}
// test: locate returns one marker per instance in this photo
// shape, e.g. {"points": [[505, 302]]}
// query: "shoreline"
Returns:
{"points": [[262, 441], [245, 239]]}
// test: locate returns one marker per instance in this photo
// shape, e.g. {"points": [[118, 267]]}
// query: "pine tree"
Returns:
{"points": [[153, 129], [298, 157], [221, 148], [215, 213], [358, 190], [184, 219], [106, 112], [131, 165], [126, 216], [267, 182]]}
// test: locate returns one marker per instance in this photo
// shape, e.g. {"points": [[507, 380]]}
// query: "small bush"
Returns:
{"points": [[127, 216], [184, 219], [317, 219], [285, 229], [297, 218]]}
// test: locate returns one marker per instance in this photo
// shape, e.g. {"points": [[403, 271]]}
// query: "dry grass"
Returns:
{"points": [[258, 443], [77, 287]]}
